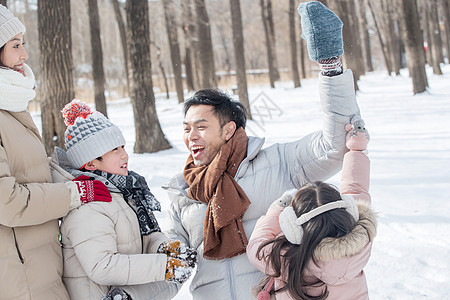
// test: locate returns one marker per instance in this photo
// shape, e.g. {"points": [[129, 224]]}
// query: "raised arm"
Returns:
{"points": [[320, 154], [355, 176]]}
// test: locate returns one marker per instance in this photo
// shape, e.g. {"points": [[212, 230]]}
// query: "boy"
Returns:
{"points": [[116, 248]]}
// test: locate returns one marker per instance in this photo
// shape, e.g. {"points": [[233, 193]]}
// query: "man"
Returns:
{"points": [[229, 181]]}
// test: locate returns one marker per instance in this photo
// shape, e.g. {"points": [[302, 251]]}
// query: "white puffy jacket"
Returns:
{"points": [[264, 175]]}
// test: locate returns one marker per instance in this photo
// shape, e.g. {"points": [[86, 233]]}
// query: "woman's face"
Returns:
{"points": [[14, 54]]}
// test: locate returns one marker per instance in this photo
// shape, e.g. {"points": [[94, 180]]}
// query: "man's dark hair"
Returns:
{"points": [[225, 108]]}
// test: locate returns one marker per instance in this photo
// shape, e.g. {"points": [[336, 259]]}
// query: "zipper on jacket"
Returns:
{"points": [[17, 247], [230, 278]]}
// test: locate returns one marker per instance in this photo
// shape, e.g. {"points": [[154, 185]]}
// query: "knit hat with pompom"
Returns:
{"points": [[89, 134]]}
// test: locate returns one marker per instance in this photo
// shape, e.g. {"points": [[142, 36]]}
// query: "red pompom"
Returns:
{"points": [[75, 109]]}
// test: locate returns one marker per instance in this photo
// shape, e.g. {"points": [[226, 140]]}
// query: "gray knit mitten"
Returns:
{"points": [[322, 30]]}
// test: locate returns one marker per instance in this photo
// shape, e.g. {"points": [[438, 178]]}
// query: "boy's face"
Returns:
{"points": [[113, 162]]}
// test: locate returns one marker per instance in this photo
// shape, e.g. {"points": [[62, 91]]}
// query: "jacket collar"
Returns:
{"points": [[254, 146], [353, 242]]}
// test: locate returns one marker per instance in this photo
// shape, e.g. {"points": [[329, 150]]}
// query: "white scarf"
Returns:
{"points": [[16, 90]]}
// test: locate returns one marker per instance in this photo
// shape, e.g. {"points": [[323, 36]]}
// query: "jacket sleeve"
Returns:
{"points": [[175, 228], [319, 155], [355, 178], [30, 203], [267, 227], [151, 242], [94, 241]]}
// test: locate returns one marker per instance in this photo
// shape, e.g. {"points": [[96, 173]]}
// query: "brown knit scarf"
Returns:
{"points": [[214, 184]]}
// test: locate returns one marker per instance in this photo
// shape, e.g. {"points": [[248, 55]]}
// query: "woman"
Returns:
{"points": [[30, 204]]}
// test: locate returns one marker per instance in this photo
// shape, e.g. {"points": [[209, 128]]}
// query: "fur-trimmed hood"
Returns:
{"points": [[341, 259]]}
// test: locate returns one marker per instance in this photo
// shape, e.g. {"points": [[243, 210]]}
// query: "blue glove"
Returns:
{"points": [[322, 30]]}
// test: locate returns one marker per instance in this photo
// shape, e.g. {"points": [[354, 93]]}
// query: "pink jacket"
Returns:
{"points": [[340, 260]]}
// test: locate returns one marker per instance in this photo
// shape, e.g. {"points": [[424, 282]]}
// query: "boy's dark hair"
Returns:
{"points": [[225, 108], [334, 223]]}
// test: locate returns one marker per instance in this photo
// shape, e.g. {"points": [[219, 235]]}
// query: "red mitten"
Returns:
{"points": [[357, 136], [92, 190]]}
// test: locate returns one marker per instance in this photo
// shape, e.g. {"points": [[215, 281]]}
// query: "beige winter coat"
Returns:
{"points": [[30, 205], [103, 247]]}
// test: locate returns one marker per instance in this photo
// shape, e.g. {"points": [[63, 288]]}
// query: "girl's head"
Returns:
{"points": [[90, 136], [318, 211], [318, 206], [12, 52]]}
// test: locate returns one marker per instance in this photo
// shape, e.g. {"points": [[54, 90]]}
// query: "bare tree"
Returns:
{"points": [[352, 47], [270, 49], [188, 32], [293, 42], [205, 48], [445, 4], [174, 47], [272, 37], [149, 135], [56, 68], [384, 50], [425, 25], [413, 41], [123, 39], [392, 36], [97, 58], [161, 67], [365, 33], [239, 56], [435, 37]]}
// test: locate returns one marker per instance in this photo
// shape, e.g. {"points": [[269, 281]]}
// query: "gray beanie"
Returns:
{"points": [[10, 26], [89, 134]]}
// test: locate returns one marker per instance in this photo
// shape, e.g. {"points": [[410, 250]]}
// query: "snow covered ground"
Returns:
{"points": [[410, 177]]}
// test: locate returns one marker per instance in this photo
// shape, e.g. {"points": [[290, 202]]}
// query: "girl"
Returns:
{"points": [[106, 245], [30, 204], [317, 247]]}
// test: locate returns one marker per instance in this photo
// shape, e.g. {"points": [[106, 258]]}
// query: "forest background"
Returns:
{"points": [[100, 50]]}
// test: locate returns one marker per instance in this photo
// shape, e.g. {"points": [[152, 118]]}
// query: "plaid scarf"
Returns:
{"points": [[135, 188]]}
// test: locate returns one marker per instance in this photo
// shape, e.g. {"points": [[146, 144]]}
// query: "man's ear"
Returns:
{"points": [[229, 130], [90, 166]]}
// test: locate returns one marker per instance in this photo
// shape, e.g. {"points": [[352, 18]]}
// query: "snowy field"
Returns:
{"points": [[410, 169]]}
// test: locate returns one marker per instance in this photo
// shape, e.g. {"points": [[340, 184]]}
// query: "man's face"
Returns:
{"points": [[203, 134]]}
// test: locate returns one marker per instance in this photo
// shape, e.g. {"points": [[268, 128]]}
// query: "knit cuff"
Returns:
{"points": [[75, 200], [331, 66]]}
